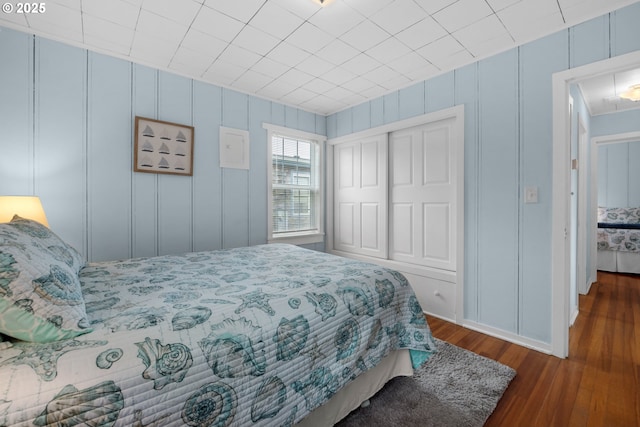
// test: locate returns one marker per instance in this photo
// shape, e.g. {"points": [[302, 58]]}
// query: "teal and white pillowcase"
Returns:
{"points": [[40, 295], [42, 235]]}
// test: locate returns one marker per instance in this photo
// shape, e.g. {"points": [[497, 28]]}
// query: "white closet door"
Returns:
{"points": [[422, 214], [360, 196]]}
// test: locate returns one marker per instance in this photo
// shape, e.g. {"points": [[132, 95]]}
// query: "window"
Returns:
{"points": [[295, 191]]}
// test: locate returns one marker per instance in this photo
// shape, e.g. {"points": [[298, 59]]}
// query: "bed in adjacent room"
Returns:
{"points": [[263, 335], [619, 240]]}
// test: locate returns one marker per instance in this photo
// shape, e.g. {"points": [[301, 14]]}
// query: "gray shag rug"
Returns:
{"points": [[455, 387]]}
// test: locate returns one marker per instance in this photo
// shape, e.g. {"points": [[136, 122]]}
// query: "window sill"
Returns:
{"points": [[298, 239]]}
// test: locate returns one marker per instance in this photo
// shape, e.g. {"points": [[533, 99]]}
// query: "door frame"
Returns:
{"points": [[560, 223]]}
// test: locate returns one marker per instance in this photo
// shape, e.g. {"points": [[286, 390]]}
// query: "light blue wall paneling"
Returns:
{"points": [[59, 138], [75, 110], [589, 41], [498, 191], [466, 94], [411, 101], [235, 182], [207, 176], [538, 60], [259, 113], [611, 124], [16, 113], [145, 185], [109, 157], [618, 175], [439, 92], [175, 232], [625, 31]]}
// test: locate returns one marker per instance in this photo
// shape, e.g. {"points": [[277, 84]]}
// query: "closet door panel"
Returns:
{"points": [[360, 197], [423, 177]]}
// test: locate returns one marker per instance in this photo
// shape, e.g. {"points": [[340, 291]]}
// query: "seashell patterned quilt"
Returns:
{"points": [[249, 336]]}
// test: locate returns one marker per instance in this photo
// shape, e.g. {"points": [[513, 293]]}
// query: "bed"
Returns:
{"points": [[619, 240], [265, 335]]}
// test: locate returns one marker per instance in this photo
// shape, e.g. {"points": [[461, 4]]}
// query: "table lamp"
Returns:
{"points": [[28, 207]]}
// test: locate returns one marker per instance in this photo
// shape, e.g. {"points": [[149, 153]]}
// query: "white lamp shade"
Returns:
{"points": [[28, 207]]}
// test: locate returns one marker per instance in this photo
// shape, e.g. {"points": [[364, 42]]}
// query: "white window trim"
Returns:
{"points": [[296, 238]]}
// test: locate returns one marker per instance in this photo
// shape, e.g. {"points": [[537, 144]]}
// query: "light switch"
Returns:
{"points": [[531, 195]]}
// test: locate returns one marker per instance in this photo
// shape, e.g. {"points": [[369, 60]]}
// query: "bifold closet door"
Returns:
{"points": [[422, 214], [360, 196]]}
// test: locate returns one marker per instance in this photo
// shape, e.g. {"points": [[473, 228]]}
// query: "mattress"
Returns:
{"points": [[249, 336]]}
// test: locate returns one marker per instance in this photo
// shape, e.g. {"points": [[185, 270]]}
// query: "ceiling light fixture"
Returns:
{"points": [[323, 3], [632, 94]]}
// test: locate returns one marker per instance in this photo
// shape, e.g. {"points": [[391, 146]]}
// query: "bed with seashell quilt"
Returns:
{"points": [[270, 335]]}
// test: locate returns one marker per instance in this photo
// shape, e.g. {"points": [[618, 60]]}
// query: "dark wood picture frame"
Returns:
{"points": [[162, 147]]}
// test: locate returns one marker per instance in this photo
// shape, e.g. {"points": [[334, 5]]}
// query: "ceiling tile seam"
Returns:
{"points": [[183, 37]]}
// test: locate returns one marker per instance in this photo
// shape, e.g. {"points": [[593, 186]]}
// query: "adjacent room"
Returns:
{"points": [[320, 212]]}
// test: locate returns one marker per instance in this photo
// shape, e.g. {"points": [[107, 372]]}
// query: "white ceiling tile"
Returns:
{"points": [[239, 56], [58, 21], [299, 96], [146, 48], [158, 26], [422, 73], [389, 50], [337, 52], [338, 93], [497, 5], [442, 48], [109, 32], [240, 10], [107, 46], [14, 18], [484, 36], [458, 59], [338, 76], [270, 68], [462, 13], [575, 11], [123, 13], [251, 81], [365, 35], [398, 15], [383, 75], [206, 44], [433, 6], [72, 4], [361, 64], [309, 38], [296, 77], [217, 24], [189, 61], [336, 19], [525, 19], [373, 92], [277, 89], [368, 7], [182, 12], [315, 66], [302, 8], [319, 85], [406, 64], [354, 99], [421, 33], [288, 54], [255, 40], [224, 72], [359, 84], [275, 20]]}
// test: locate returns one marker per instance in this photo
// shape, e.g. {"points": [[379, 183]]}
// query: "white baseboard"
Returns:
{"points": [[508, 336]]}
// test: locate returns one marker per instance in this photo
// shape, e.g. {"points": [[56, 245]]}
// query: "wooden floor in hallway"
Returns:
{"points": [[597, 385]]}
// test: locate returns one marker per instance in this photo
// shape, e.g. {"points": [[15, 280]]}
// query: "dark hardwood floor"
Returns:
{"points": [[597, 385]]}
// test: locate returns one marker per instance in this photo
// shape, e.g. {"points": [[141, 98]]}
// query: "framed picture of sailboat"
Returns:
{"points": [[162, 147]]}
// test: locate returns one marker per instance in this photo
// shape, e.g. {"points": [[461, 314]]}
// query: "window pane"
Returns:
{"points": [[293, 210]]}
